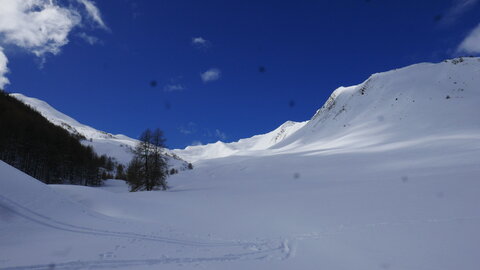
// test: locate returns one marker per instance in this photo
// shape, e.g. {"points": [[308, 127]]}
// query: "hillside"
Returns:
{"points": [[118, 146], [221, 149], [399, 108], [416, 104], [32, 144]]}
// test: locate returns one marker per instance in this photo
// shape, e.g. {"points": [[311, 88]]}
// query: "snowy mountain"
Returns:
{"points": [[398, 108], [243, 146], [385, 175], [118, 146], [403, 107]]}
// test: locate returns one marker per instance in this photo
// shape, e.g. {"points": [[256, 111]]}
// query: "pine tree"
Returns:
{"points": [[120, 172]]}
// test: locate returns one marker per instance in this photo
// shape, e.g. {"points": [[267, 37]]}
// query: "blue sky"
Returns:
{"points": [[223, 70]]}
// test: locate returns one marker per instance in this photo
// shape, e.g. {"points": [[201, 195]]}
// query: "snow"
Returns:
{"points": [[242, 147], [118, 146], [416, 104], [372, 181]]}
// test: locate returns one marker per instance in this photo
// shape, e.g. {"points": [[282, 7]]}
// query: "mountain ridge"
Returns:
{"points": [[383, 102], [117, 146], [379, 110]]}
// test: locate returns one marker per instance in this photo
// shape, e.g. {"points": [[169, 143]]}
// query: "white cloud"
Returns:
{"points": [[174, 84], [89, 39], [221, 135], [458, 8], [173, 87], [190, 128], [471, 44], [185, 130], [36, 25], [40, 26], [461, 6], [210, 75], [3, 69], [94, 13], [200, 41]]}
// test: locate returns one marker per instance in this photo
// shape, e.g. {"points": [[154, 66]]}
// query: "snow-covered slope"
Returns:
{"points": [[408, 106], [242, 147], [118, 146], [412, 105], [76, 227]]}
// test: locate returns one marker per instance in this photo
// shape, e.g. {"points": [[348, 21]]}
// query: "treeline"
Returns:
{"points": [[32, 144]]}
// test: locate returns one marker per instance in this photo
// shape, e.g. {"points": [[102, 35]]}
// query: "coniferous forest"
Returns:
{"points": [[46, 152]]}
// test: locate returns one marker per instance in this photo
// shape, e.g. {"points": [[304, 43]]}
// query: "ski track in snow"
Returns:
{"points": [[279, 249], [262, 249], [49, 222], [145, 262], [286, 248]]}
